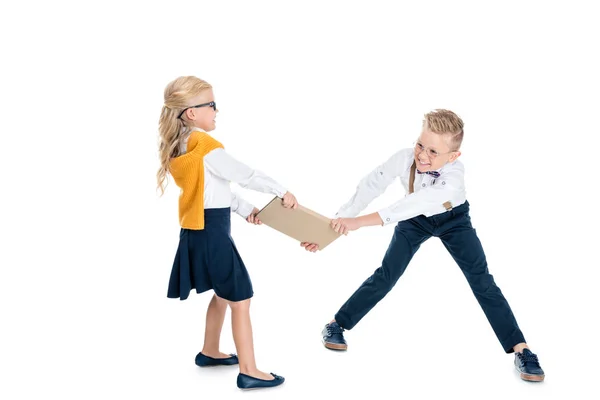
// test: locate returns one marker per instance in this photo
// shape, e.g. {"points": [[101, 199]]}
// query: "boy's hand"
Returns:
{"points": [[312, 247], [344, 225], [252, 218], [289, 201]]}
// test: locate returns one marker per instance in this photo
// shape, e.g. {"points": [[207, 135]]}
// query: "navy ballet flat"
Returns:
{"points": [[206, 361], [248, 382]]}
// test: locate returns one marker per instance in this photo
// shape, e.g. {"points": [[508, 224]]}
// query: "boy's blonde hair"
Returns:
{"points": [[445, 122], [171, 129]]}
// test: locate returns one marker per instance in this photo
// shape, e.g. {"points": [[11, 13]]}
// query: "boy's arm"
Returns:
{"points": [[374, 184], [428, 201], [369, 188]]}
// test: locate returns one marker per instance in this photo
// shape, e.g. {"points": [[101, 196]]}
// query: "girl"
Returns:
{"points": [[207, 257]]}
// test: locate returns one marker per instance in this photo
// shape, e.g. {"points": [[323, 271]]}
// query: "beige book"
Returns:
{"points": [[301, 223]]}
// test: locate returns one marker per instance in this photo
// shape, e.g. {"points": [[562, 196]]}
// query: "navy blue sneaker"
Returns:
{"points": [[528, 366], [249, 382], [206, 361], [333, 337]]}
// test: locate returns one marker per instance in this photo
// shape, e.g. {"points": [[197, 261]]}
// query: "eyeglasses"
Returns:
{"points": [[211, 104], [430, 152]]}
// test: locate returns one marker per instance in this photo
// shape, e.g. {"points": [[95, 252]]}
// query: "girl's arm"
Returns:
{"points": [[241, 206], [226, 167]]}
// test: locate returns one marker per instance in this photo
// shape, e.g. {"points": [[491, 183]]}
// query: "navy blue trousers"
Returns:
{"points": [[460, 239]]}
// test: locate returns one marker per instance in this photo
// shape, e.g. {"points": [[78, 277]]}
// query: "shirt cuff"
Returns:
{"points": [[279, 191], [244, 209], [386, 216]]}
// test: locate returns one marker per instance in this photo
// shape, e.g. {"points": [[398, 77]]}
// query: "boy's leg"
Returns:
{"points": [[408, 236], [461, 240]]}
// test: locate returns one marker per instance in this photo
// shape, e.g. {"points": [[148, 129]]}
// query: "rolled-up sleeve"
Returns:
{"points": [[449, 187], [374, 184]]}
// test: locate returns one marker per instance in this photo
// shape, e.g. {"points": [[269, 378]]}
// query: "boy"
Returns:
{"points": [[435, 206]]}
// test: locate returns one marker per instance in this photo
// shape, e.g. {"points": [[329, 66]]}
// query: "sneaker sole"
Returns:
{"points": [[532, 378], [335, 346]]}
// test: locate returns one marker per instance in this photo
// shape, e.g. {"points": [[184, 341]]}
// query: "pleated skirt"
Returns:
{"points": [[208, 259]]}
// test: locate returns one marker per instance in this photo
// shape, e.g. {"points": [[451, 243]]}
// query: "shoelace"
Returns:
{"points": [[529, 358], [334, 329]]}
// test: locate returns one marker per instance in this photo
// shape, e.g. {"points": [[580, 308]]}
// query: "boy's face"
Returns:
{"points": [[432, 151]]}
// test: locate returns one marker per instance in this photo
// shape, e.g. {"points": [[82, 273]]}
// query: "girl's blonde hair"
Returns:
{"points": [[171, 129], [447, 123]]}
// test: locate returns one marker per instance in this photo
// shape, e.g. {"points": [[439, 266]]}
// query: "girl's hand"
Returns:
{"points": [[344, 225], [312, 247], [252, 218], [289, 201]]}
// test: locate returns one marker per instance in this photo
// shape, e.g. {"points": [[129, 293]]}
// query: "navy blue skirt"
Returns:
{"points": [[208, 259]]}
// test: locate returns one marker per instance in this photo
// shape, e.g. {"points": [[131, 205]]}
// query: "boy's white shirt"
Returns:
{"points": [[429, 193], [220, 169]]}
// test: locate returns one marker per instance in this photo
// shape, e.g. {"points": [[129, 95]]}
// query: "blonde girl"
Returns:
{"points": [[207, 257]]}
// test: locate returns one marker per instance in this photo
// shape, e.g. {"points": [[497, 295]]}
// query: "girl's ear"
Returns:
{"points": [[454, 156], [189, 113]]}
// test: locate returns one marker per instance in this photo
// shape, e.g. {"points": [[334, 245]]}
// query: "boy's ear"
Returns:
{"points": [[454, 156]]}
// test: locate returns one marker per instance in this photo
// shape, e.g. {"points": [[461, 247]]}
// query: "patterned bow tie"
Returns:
{"points": [[435, 174]]}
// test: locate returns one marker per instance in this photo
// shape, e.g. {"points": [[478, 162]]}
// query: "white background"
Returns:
{"points": [[315, 94]]}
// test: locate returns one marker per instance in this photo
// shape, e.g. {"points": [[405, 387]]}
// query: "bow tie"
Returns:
{"points": [[435, 174]]}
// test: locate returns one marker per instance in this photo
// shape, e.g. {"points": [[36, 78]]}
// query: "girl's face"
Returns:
{"points": [[202, 117]]}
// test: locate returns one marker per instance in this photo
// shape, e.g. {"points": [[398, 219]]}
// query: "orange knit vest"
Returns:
{"points": [[188, 172]]}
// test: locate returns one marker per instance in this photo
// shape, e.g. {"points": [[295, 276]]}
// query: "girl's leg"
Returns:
{"points": [[242, 335], [215, 315]]}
